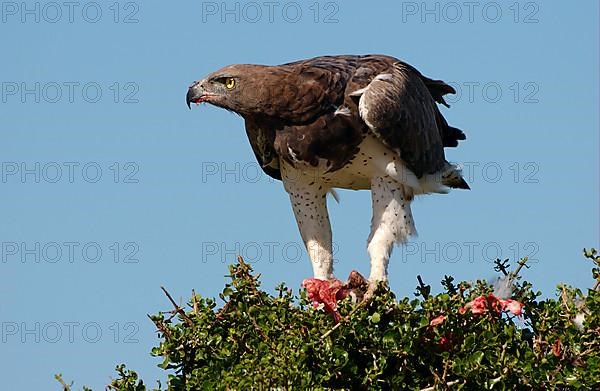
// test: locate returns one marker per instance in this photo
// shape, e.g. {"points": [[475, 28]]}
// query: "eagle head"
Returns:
{"points": [[236, 87]]}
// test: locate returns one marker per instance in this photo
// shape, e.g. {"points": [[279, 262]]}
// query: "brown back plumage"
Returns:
{"points": [[309, 110]]}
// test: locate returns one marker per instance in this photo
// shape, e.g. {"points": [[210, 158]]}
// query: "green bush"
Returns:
{"points": [[261, 341]]}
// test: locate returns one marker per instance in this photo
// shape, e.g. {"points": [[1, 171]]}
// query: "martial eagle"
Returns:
{"points": [[350, 122]]}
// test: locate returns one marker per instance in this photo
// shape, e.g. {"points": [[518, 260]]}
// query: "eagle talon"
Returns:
{"points": [[373, 287], [357, 286], [370, 292]]}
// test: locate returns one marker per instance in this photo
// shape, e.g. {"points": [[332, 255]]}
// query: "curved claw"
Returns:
{"points": [[371, 289]]}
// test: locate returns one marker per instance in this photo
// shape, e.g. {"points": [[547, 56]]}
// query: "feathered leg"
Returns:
{"points": [[392, 223], [309, 203]]}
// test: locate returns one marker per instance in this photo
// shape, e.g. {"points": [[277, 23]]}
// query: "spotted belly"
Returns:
{"points": [[373, 159]]}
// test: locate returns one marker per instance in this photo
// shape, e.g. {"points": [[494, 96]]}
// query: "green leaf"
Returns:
{"points": [[263, 341], [375, 318], [477, 357]]}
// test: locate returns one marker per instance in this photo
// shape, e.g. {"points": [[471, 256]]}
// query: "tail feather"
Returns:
{"points": [[453, 178], [450, 135], [437, 89], [458, 183]]}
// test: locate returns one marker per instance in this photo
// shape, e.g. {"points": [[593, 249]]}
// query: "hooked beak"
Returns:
{"points": [[196, 94]]}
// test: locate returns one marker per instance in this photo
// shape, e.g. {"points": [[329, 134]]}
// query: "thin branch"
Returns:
{"points": [[422, 289], [521, 263], [178, 308], [344, 319], [261, 332], [66, 387], [563, 296], [195, 302], [501, 266], [447, 282], [161, 327], [445, 370], [223, 310], [448, 384]]}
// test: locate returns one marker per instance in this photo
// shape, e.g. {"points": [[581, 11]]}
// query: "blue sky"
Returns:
{"points": [[111, 188]]}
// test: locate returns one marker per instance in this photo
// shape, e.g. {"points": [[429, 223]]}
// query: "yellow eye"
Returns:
{"points": [[230, 83]]}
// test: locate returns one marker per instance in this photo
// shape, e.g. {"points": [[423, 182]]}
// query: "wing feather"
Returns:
{"points": [[261, 140], [401, 111]]}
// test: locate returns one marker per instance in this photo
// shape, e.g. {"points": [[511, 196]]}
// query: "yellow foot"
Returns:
{"points": [[371, 289]]}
